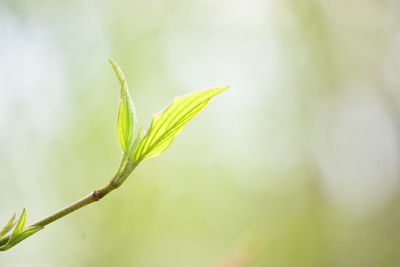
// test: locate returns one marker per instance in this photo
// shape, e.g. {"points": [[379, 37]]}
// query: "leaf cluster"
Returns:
{"points": [[20, 233], [137, 145]]}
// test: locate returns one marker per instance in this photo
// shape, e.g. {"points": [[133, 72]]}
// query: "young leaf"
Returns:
{"points": [[19, 227], [27, 232], [164, 126], [9, 225], [126, 122]]}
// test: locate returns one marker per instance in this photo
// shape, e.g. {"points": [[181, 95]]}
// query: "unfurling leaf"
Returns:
{"points": [[165, 125], [9, 225], [126, 123]]}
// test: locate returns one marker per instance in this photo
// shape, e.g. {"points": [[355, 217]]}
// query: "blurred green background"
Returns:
{"points": [[296, 165]]}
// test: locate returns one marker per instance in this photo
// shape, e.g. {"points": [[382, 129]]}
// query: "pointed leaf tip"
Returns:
{"points": [[120, 75]]}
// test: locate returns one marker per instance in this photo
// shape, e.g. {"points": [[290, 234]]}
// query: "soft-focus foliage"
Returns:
{"points": [[297, 166]]}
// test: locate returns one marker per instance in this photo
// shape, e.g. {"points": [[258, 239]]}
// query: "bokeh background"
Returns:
{"points": [[296, 165]]}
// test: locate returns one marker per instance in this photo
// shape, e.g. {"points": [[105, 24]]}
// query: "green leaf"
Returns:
{"points": [[9, 225], [27, 232], [171, 121], [127, 121], [20, 226]]}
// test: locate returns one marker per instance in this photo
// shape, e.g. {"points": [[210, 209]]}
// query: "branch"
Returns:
{"points": [[136, 146], [96, 195]]}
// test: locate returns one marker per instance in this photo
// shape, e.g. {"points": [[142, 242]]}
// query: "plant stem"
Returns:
{"points": [[96, 195]]}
